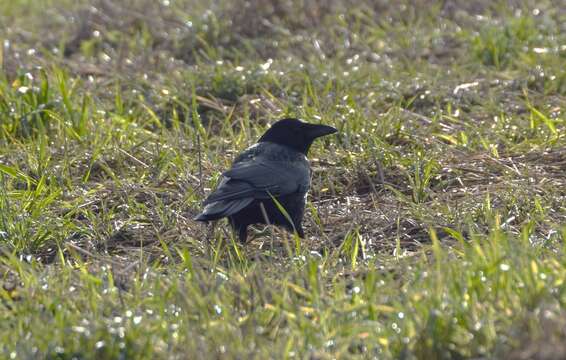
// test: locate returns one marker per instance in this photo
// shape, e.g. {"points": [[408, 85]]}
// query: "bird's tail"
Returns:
{"points": [[202, 217], [220, 209]]}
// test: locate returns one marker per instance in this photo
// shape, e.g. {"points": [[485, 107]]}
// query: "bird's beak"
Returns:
{"points": [[315, 131]]}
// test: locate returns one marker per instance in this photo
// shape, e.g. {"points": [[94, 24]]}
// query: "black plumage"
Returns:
{"points": [[276, 167]]}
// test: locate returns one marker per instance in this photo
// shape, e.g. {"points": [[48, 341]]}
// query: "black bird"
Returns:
{"points": [[276, 167]]}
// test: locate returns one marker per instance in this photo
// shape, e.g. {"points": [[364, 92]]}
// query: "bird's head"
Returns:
{"points": [[296, 134]]}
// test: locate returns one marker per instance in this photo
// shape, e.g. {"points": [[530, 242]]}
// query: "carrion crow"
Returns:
{"points": [[276, 167]]}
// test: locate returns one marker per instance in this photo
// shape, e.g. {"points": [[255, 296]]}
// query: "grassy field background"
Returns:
{"points": [[437, 218]]}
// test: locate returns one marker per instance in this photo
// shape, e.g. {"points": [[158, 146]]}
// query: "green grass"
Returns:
{"points": [[437, 218]]}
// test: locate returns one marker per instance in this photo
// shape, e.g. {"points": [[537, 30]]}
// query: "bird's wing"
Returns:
{"points": [[258, 178]]}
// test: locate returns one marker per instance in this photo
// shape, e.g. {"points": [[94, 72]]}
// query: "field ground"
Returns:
{"points": [[437, 219]]}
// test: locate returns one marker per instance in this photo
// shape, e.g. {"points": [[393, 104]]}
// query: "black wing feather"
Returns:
{"points": [[254, 178]]}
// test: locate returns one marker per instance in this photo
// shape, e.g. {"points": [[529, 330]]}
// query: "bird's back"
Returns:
{"points": [[262, 171]]}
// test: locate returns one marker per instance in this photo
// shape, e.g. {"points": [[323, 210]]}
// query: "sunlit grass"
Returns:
{"points": [[435, 225]]}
